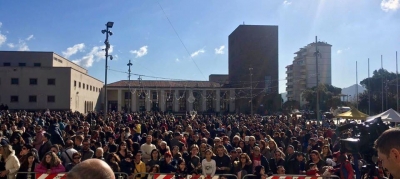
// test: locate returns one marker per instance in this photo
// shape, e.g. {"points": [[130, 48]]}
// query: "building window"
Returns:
{"points": [[79, 84], [14, 81], [51, 81], [51, 99], [32, 99], [37, 64], [169, 101], [87, 87], [127, 95], [83, 85], [210, 100], [75, 83], [33, 81], [90, 88], [7, 64], [155, 95], [182, 101], [21, 64], [14, 99]]}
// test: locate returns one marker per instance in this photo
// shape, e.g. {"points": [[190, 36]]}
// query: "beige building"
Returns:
{"points": [[301, 74], [170, 96], [45, 80]]}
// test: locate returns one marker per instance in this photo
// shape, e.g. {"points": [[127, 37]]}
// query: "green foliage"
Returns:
{"points": [[328, 96], [374, 85]]}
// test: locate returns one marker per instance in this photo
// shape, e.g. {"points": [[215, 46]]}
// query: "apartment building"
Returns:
{"points": [[302, 73]]}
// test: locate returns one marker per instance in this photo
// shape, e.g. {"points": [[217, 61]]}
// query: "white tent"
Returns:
{"points": [[389, 115]]}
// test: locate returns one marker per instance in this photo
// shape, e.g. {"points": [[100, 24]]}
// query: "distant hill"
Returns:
{"points": [[351, 90]]}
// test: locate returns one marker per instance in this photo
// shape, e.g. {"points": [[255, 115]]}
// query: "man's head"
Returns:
{"points": [[388, 147], [91, 168]]}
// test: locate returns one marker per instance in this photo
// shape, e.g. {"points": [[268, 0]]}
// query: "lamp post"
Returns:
{"points": [[317, 77], [108, 33], [251, 90], [129, 84]]}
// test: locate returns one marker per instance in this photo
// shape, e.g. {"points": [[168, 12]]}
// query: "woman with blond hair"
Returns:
{"points": [[50, 164], [12, 162]]}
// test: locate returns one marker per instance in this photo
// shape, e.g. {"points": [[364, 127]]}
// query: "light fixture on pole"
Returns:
{"points": [[129, 85], [107, 43], [251, 90]]}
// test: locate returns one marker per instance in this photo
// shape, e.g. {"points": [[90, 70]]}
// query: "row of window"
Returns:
{"points": [[33, 81], [32, 99], [86, 86], [7, 64]]}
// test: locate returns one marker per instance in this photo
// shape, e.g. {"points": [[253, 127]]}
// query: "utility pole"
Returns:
{"points": [[357, 84], [129, 85], [397, 85], [382, 81], [251, 90], [369, 92], [107, 43], [317, 78]]}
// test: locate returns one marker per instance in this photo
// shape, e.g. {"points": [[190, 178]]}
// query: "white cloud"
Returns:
{"points": [[73, 50], [141, 52], [390, 5], [177, 60], [22, 46], [3, 39], [96, 54], [198, 52], [220, 50], [287, 3], [339, 51], [29, 38]]}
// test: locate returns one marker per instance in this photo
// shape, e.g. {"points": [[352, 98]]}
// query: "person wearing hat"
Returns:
{"points": [[46, 145]]}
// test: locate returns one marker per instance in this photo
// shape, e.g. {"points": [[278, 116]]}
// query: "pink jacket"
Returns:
{"points": [[42, 169]]}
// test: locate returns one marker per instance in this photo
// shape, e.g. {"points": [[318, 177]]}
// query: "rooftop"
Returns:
{"points": [[165, 84]]}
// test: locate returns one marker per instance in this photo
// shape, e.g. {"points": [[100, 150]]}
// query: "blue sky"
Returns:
{"points": [[357, 30]]}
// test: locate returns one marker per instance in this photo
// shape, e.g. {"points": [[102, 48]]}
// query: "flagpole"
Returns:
{"points": [[382, 81], [397, 84], [369, 92], [357, 84]]}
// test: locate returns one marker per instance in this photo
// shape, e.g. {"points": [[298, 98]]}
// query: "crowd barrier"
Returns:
{"points": [[45, 175], [122, 175], [172, 176], [288, 176]]}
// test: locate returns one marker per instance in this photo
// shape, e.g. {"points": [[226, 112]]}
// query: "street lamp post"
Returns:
{"points": [[317, 78], [129, 84], [251, 90], [108, 33]]}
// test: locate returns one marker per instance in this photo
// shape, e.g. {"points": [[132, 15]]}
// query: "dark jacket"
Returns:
{"points": [[44, 148]]}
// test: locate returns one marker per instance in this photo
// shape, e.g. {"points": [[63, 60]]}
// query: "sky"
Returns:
{"points": [[187, 39]]}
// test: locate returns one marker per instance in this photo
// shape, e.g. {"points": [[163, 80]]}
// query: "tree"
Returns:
{"points": [[328, 96], [289, 105], [373, 86]]}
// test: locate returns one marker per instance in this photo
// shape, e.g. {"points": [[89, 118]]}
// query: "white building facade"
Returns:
{"points": [[302, 73], [45, 80], [167, 96]]}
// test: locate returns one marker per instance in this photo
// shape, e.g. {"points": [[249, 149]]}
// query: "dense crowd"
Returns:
{"points": [[147, 142]]}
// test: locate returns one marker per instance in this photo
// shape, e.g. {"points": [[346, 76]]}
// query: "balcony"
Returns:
{"points": [[289, 89], [289, 77]]}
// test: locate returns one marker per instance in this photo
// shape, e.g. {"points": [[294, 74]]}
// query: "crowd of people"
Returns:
{"points": [[153, 142]]}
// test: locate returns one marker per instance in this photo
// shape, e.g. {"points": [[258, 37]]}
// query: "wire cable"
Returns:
{"points": [[170, 23]]}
